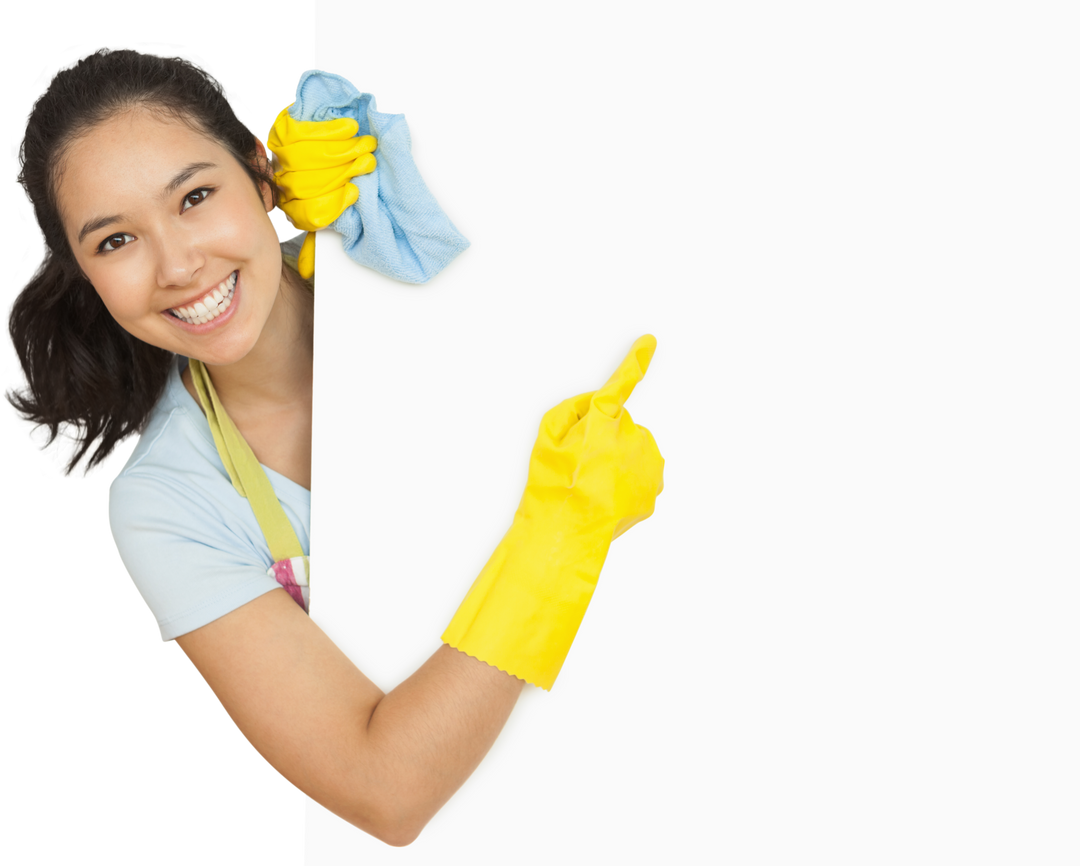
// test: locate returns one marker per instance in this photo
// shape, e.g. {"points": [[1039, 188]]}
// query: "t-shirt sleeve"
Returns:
{"points": [[191, 560]]}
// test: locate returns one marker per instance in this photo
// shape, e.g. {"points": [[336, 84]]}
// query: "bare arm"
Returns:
{"points": [[436, 727], [384, 762]]}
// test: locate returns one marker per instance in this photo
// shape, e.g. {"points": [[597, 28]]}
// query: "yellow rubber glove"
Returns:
{"points": [[593, 474], [315, 162]]}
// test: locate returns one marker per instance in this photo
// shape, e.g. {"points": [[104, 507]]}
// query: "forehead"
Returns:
{"points": [[128, 159]]}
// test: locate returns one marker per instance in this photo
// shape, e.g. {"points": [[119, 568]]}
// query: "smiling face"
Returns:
{"points": [[173, 235]]}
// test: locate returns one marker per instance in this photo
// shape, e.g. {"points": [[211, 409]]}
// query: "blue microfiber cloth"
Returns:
{"points": [[396, 227]]}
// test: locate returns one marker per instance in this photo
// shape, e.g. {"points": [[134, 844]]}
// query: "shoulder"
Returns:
{"points": [[175, 478], [175, 456], [187, 538]]}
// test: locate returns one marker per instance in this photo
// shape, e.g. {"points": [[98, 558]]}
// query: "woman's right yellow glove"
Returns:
{"points": [[315, 162], [593, 474]]}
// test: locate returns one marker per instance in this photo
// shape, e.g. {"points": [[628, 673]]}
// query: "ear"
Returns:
{"points": [[262, 165]]}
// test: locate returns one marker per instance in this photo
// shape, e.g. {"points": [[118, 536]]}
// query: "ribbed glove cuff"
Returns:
{"points": [[525, 607]]}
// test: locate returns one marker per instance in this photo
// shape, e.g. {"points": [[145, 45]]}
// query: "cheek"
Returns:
{"points": [[246, 229], [229, 231], [122, 291]]}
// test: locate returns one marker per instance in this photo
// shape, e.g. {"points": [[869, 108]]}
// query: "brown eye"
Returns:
{"points": [[115, 242], [193, 198]]}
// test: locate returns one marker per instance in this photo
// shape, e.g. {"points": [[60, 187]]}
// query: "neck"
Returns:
{"points": [[277, 371]]}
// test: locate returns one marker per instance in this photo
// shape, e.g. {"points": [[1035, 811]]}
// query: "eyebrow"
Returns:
{"points": [[183, 176]]}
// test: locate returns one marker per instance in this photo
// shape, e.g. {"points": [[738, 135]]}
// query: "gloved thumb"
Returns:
{"points": [[305, 262]]}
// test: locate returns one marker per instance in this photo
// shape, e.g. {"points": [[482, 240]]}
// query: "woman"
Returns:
{"points": [[153, 199]]}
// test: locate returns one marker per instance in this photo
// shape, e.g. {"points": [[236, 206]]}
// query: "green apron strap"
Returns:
{"points": [[243, 467]]}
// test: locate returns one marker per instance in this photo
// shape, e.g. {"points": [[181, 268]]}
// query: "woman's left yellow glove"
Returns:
{"points": [[315, 160]]}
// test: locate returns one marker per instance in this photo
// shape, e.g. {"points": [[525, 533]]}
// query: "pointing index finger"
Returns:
{"points": [[618, 388]]}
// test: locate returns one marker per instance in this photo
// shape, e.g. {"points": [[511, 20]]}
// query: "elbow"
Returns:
{"points": [[394, 834], [393, 807], [399, 830], [397, 837], [390, 830], [397, 842]]}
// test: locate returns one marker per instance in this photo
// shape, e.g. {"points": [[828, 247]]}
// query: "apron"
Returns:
{"points": [[291, 567]]}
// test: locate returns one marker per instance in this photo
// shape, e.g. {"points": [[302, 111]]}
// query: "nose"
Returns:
{"points": [[179, 259]]}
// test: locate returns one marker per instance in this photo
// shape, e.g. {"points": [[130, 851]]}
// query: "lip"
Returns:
{"points": [[213, 324]]}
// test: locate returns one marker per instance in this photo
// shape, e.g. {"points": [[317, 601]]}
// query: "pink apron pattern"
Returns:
{"points": [[293, 575]]}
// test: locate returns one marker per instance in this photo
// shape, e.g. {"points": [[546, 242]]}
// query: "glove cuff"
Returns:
{"points": [[524, 609]]}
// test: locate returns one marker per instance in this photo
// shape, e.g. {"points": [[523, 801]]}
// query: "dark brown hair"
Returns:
{"points": [[85, 374]]}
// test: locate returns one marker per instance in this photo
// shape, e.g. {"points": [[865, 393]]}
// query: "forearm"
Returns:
{"points": [[425, 738]]}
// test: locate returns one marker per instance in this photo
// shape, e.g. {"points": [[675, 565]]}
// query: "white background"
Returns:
{"points": [[847, 635]]}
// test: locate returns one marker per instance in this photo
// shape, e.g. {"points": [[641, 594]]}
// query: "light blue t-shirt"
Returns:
{"points": [[189, 540]]}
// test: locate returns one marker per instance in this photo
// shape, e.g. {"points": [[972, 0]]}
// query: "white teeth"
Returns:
{"points": [[215, 303]]}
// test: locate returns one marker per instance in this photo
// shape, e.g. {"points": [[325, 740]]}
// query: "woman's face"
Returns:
{"points": [[173, 235]]}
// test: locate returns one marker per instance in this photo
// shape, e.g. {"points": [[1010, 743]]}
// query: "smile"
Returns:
{"points": [[210, 307]]}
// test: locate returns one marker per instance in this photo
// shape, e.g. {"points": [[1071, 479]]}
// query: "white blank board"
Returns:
{"points": [[847, 633]]}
